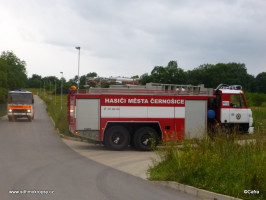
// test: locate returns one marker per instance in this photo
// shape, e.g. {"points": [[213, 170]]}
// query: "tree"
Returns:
{"points": [[82, 79], [12, 74], [261, 82], [158, 74], [34, 81], [15, 69], [145, 78], [174, 74], [49, 83], [92, 74], [170, 74], [213, 75], [199, 75]]}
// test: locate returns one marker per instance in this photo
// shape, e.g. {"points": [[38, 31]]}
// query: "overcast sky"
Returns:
{"points": [[130, 37]]}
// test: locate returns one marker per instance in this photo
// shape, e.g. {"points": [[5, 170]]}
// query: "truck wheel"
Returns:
{"points": [[116, 138], [11, 119], [30, 119], [145, 139]]}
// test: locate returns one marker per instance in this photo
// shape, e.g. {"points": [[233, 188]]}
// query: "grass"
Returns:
{"points": [[53, 107], [221, 165], [259, 115]]}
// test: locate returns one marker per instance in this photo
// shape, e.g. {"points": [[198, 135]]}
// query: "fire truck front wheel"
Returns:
{"points": [[116, 138], [145, 139]]}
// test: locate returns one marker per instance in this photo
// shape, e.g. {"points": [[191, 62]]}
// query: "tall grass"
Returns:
{"points": [[259, 115], [53, 107], [221, 165]]}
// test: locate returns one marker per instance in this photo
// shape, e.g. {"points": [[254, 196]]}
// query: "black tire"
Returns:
{"points": [[132, 141], [116, 138], [11, 119], [145, 139], [29, 118]]}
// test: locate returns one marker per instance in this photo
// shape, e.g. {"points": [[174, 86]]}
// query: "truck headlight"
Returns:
{"points": [[10, 110], [28, 111]]}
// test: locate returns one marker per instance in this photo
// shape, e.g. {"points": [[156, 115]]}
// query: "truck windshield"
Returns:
{"points": [[236, 101], [20, 98]]}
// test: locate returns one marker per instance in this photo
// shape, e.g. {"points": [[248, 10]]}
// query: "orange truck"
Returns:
{"points": [[20, 105]]}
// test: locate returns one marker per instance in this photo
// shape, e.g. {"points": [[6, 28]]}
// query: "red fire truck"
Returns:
{"points": [[138, 115]]}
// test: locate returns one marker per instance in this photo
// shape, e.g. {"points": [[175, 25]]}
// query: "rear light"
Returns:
{"points": [[76, 132]]}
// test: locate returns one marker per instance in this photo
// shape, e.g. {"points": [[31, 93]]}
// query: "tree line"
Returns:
{"points": [[208, 74], [13, 76]]}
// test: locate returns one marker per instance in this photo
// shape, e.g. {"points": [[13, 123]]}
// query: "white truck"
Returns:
{"points": [[20, 104]]}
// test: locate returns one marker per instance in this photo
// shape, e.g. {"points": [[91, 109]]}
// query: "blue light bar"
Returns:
{"points": [[235, 87]]}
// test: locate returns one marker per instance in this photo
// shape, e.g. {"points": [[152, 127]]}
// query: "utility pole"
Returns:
{"points": [[61, 89], [55, 92], [78, 48]]}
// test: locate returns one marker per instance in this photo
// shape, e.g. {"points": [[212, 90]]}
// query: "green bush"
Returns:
{"points": [[256, 99]]}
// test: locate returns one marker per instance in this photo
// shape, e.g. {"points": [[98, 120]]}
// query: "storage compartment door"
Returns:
{"points": [[87, 112], [195, 119]]}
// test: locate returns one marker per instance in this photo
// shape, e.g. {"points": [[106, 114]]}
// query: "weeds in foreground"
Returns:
{"points": [[219, 165]]}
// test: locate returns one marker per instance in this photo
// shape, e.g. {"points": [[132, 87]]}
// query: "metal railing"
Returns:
{"points": [[150, 89]]}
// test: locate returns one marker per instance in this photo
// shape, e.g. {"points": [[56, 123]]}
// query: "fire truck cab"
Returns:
{"points": [[231, 109], [143, 115], [20, 104]]}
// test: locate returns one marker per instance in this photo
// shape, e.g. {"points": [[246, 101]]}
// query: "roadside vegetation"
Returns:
{"points": [[53, 107], [224, 165]]}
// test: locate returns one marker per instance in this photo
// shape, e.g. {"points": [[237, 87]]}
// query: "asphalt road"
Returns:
{"points": [[130, 161], [36, 164]]}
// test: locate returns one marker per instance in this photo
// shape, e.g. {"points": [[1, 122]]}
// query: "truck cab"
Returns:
{"points": [[20, 105], [232, 110]]}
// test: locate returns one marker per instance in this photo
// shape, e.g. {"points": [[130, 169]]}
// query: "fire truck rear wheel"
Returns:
{"points": [[145, 139], [117, 138]]}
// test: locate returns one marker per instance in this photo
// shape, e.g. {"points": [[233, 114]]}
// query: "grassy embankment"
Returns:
{"points": [[53, 104], [220, 165]]}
